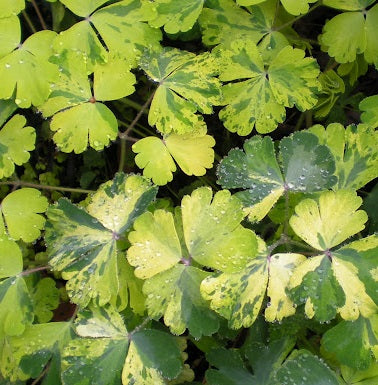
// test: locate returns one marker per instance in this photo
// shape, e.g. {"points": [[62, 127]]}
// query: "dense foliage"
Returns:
{"points": [[246, 252]]}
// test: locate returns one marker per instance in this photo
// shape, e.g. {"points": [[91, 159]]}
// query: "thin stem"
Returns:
{"points": [[122, 156], [29, 22], [138, 116], [45, 187], [299, 121], [290, 22], [36, 269], [282, 240], [308, 115], [39, 378], [39, 14]]}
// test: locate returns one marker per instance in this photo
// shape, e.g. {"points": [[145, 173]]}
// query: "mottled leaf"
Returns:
{"points": [[27, 72], [348, 5], [294, 7], [187, 84], [174, 16], [83, 8], [356, 350], [306, 167], [25, 356], [238, 297], [354, 150], [82, 244], [257, 97], [46, 298], [16, 141], [21, 211], [328, 221]]}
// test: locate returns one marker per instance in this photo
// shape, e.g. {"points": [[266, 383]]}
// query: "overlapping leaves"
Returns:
{"points": [[294, 7], [307, 166], [165, 246], [82, 243], [256, 96]]}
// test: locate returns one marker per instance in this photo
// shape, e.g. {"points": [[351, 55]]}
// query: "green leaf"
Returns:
{"points": [[222, 21], [330, 220], [7, 107], [25, 356], [348, 5], [344, 43], [16, 310], [356, 350], [306, 167], [15, 142], [10, 257], [11, 7], [27, 72], [120, 26], [82, 244], [45, 297], [257, 97], [369, 106], [10, 32], [303, 368], [238, 296], [175, 16], [21, 211], [187, 84], [152, 358], [356, 156]]}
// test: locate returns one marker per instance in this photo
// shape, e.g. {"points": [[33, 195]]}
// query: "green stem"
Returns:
{"points": [[290, 22], [122, 156], [39, 14], [39, 378], [45, 187], [299, 122], [29, 22]]}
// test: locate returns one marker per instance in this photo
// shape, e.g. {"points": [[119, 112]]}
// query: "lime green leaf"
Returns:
{"points": [[45, 297], [223, 20], [356, 350], [25, 356], [21, 210], [238, 296], [79, 118], [356, 156], [152, 358], [16, 310], [83, 8], [175, 16], [11, 7], [10, 257], [348, 5], [88, 122], [344, 43], [193, 152], [27, 71], [304, 368], [119, 25], [7, 107], [329, 221], [212, 230], [15, 142], [187, 84], [307, 166], [258, 97], [82, 244], [10, 34], [360, 377], [155, 159], [369, 106], [294, 7], [175, 295]]}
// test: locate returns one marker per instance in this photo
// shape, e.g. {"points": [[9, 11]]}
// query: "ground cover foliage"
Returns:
{"points": [[188, 192]]}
